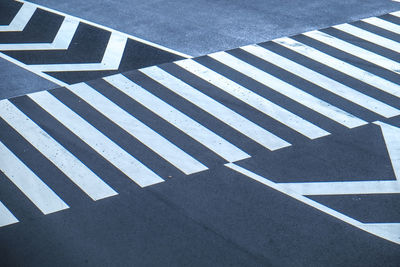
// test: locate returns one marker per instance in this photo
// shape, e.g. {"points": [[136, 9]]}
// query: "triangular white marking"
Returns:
{"points": [[391, 134], [388, 231]]}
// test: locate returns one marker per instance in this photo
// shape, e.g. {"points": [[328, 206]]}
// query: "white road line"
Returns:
{"points": [[38, 192], [369, 36], [344, 188], [178, 119], [384, 24], [6, 217], [158, 144], [326, 83], [108, 29], [355, 51], [382, 230], [72, 167], [61, 41], [216, 109], [134, 169], [391, 134], [341, 66], [256, 101], [21, 19], [111, 59], [290, 91]]}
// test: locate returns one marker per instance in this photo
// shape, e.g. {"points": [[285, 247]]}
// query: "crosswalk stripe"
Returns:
{"points": [[344, 188], [216, 109], [118, 157], [20, 20], [111, 58], [38, 192], [139, 130], [61, 41], [256, 101], [341, 66], [290, 91], [369, 36], [73, 168], [324, 82], [384, 24], [181, 121], [6, 217], [355, 51]]}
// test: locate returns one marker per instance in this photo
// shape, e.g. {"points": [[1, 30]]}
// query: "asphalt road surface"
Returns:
{"points": [[155, 149]]}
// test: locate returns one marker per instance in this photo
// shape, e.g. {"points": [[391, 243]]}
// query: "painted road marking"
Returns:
{"points": [[139, 130], [118, 157], [355, 51], [73, 168], [250, 98], [324, 82], [181, 121], [216, 109], [21, 19], [6, 217], [341, 66], [33, 188]]}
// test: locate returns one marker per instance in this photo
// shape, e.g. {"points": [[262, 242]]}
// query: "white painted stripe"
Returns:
{"points": [[61, 41], [111, 59], [384, 24], [216, 109], [288, 90], [38, 192], [355, 51], [109, 29], [72, 167], [378, 230], [178, 119], [134, 169], [138, 130], [389, 231], [256, 101], [20, 20], [341, 66], [391, 134], [6, 217], [344, 188], [328, 84], [369, 36]]}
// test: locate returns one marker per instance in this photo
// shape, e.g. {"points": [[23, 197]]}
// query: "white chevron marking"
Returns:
{"points": [[20, 20], [61, 41], [111, 59]]}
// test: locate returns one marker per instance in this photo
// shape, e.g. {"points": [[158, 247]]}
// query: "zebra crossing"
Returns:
{"points": [[65, 49], [180, 118]]}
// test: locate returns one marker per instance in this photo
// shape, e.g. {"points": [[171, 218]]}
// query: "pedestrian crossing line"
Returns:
{"points": [[72, 167], [341, 66], [216, 109], [32, 186], [6, 217], [21, 19], [158, 144], [369, 36], [381, 23], [114, 154], [61, 41], [178, 119], [256, 101], [326, 109], [322, 81], [356, 51]]}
